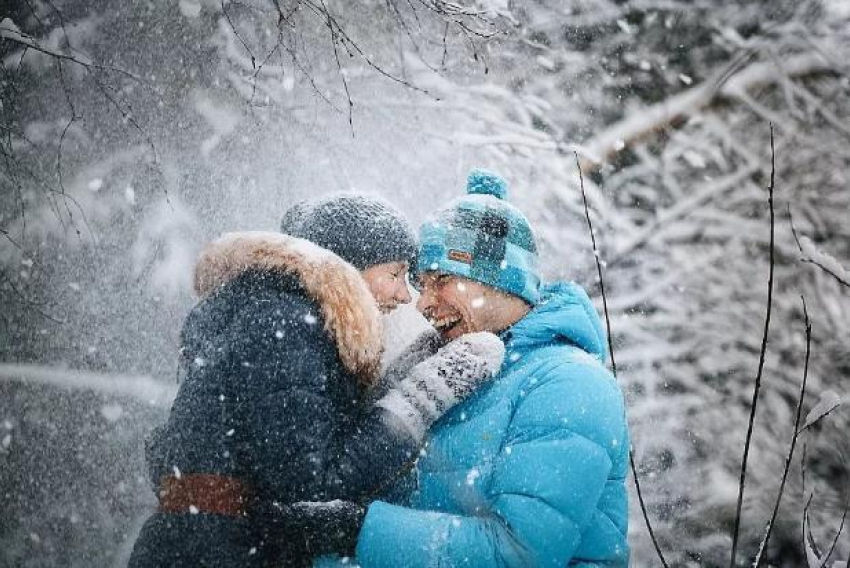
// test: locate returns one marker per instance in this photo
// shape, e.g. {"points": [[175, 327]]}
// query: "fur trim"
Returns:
{"points": [[349, 311]]}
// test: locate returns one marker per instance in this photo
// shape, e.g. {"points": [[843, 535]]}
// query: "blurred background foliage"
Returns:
{"points": [[132, 132]]}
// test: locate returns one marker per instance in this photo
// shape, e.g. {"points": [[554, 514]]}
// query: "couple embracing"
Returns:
{"points": [[498, 438]]}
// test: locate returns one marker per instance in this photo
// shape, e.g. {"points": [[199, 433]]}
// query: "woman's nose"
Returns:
{"points": [[403, 294]]}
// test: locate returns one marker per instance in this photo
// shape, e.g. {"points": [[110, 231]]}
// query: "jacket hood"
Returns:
{"points": [[564, 314], [349, 311]]}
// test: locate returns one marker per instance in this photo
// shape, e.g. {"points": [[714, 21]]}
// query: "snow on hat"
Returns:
{"points": [[363, 230], [482, 237]]}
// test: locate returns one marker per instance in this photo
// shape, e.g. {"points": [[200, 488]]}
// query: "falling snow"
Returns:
{"points": [[110, 204]]}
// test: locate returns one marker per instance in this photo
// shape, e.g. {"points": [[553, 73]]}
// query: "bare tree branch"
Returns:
{"points": [[9, 238], [92, 69], [765, 541], [733, 81], [28, 42], [236, 33], [347, 42], [71, 121], [823, 261], [613, 361], [37, 307], [762, 353], [838, 532], [334, 39]]}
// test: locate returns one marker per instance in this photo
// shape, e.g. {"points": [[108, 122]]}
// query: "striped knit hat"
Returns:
{"points": [[482, 237]]}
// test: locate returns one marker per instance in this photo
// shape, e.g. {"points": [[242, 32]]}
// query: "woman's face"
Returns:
{"points": [[388, 284]]}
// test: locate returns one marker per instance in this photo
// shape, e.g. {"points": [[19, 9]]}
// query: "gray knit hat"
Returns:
{"points": [[364, 230]]}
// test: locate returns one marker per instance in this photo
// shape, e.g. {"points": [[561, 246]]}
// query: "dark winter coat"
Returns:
{"points": [[274, 362]]}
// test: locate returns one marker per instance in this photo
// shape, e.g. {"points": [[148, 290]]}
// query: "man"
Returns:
{"points": [[531, 469]]}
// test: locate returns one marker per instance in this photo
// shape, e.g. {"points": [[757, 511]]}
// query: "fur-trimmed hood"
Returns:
{"points": [[349, 311]]}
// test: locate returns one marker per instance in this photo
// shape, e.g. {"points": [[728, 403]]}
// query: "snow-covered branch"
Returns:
{"points": [[11, 33], [826, 262], [142, 388], [733, 81]]}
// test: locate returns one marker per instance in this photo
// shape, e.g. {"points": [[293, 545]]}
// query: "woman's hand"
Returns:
{"points": [[322, 527]]}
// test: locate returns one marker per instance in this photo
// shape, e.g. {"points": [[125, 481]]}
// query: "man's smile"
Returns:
{"points": [[445, 323]]}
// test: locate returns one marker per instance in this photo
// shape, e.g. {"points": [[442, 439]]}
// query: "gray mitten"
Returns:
{"points": [[425, 345], [442, 380]]}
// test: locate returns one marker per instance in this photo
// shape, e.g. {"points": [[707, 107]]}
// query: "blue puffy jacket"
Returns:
{"points": [[531, 470]]}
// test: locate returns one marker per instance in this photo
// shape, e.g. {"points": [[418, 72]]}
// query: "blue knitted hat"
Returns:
{"points": [[482, 237]]}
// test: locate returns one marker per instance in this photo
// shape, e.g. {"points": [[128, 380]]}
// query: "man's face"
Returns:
{"points": [[455, 305], [388, 285]]}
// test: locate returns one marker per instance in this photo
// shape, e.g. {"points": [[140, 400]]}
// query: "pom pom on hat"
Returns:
{"points": [[483, 182]]}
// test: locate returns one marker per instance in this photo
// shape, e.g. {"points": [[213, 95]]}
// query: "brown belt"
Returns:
{"points": [[204, 493]]}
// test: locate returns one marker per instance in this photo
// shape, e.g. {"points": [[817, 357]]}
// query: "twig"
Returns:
{"points": [[102, 87], [812, 261], [325, 14], [9, 238], [808, 539], [445, 47], [808, 425], [598, 265], [455, 14], [28, 42], [281, 17], [399, 17], [803, 485], [292, 50], [13, 178], [35, 16], [762, 353], [770, 524], [334, 39], [63, 192], [665, 219], [840, 530], [847, 562], [236, 33], [62, 141], [738, 77], [28, 301], [260, 68], [613, 361]]}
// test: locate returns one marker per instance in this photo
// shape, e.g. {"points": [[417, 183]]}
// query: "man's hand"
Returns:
{"points": [[441, 381], [425, 345]]}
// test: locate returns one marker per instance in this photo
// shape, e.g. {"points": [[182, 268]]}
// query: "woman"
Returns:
{"points": [[278, 358]]}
